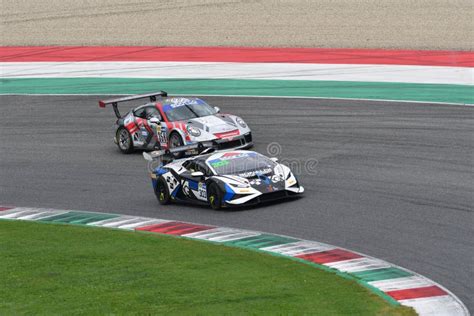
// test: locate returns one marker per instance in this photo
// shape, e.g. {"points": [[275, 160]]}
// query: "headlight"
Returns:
{"points": [[241, 122], [194, 131], [291, 180]]}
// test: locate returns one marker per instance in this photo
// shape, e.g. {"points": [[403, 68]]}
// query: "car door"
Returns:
{"points": [[150, 132], [144, 133], [193, 187], [158, 127], [202, 188]]}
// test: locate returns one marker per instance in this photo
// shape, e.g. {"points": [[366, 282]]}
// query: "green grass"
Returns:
{"points": [[63, 269]]}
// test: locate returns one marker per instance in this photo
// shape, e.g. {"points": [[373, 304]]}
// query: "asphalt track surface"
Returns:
{"points": [[394, 180]]}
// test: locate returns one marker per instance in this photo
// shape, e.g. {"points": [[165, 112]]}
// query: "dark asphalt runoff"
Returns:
{"points": [[393, 180]]}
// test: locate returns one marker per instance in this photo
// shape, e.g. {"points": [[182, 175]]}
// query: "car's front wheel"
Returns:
{"points": [[124, 140], [214, 196], [176, 141], [161, 191]]}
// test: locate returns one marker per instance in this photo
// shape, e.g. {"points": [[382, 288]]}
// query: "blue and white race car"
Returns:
{"points": [[221, 178]]}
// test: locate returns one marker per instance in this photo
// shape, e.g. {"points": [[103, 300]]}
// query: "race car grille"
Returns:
{"points": [[231, 144], [248, 138], [273, 196]]}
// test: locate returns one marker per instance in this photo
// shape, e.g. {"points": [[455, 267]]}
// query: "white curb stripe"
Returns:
{"points": [[40, 216], [28, 213], [358, 265], [221, 234], [404, 283], [298, 248], [126, 222], [113, 222], [436, 306], [224, 70], [141, 222]]}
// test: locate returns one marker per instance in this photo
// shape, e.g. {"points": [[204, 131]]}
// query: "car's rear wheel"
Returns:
{"points": [[214, 196], [124, 140], [176, 141], [161, 191]]}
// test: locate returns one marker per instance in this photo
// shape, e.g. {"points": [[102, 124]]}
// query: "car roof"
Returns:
{"points": [[169, 103]]}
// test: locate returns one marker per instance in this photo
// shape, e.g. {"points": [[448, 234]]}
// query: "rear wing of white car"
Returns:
{"points": [[166, 155], [115, 102]]}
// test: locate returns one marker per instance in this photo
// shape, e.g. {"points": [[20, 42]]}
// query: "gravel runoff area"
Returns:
{"points": [[407, 24]]}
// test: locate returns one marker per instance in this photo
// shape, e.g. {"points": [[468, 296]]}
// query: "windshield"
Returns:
{"points": [[243, 164], [181, 109]]}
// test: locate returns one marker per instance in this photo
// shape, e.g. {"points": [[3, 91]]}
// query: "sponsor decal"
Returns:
{"points": [[230, 156], [250, 174], [177, 102], [202, 191], [233, 155], [185, 188], [162, 135], [219, 163], [228, 135]]}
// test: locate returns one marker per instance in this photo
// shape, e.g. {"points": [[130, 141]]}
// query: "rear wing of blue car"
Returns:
{"points": [[167, 156], [115, 102]]}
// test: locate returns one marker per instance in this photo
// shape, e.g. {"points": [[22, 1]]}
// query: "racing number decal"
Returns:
{"points": [[161, 134], [202, 191]]}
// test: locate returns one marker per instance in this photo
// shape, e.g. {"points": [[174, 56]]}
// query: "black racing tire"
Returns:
{"points": [[124, 140], [176, 141], [214, 196], [161, 191]]}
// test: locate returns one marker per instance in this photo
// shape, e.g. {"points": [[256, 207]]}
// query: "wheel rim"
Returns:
{"points": [[161, 192], [175, 141], [124, 140], [213, 197]]}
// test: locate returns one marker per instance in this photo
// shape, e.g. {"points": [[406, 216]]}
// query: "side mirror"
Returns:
{"points": [[155, 120], [217, 109], [197, 174], [274, 159]]}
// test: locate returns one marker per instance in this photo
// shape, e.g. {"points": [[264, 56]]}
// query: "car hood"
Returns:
{"points": [[267, 182], [214, 124], [263, 180]]}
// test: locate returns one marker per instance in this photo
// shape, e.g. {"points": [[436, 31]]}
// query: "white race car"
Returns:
{"points": [[167, 122], [221, 178]]}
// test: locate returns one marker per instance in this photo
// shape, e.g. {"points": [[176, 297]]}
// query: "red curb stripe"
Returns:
{"points": [[175, 228], [236, 54], [3, 208], [329, 256], [419, 292]]}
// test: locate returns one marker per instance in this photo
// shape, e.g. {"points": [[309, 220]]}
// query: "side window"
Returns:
{"points": [[152, 111], [190, 165], [204, 169], [140, 113]]}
